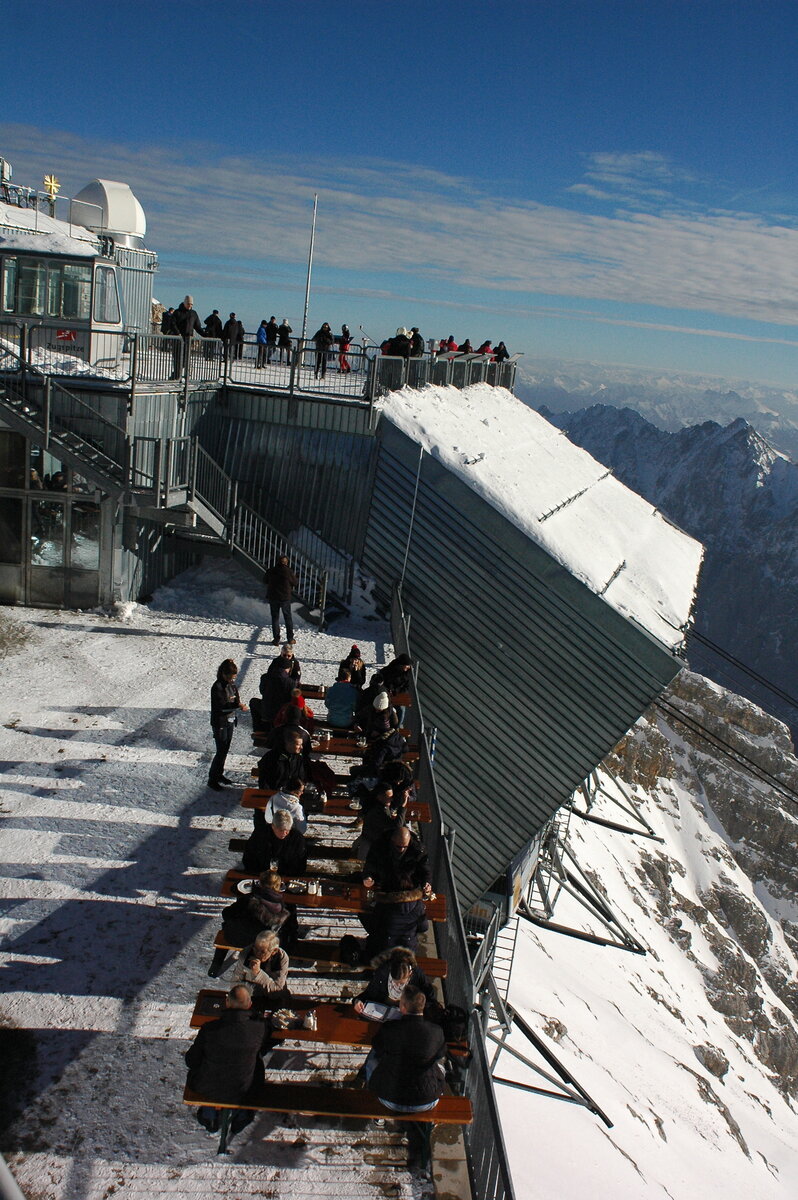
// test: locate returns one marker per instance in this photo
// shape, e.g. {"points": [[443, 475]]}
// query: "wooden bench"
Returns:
{"points": [[336, 894], [346, 879], [314, 1100], [325, 956], [259, 736], [315, 850], [336, 806]]}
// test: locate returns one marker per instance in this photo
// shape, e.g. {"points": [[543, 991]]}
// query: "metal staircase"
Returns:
{"points": [[164, 478]]}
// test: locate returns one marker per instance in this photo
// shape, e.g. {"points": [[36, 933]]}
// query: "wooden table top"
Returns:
{"points": [[335, 894], [337, 806]]}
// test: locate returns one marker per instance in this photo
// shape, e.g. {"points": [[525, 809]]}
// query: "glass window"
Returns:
{"points": [[12, 459], [31, 287], [69, 290], [106, 300], [46, 533], [9, 284], [10, 530], [85, 547]]}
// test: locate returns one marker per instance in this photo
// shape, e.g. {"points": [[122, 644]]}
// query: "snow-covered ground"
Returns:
{"points": [[113, 851]]}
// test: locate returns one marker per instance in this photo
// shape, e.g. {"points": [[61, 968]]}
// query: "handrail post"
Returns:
{"points": [[186, 343], [48, 383], [134, 369], [158, 481], [295, 358], [323, 601], [232, 507], [193, 457], [23, 360]]}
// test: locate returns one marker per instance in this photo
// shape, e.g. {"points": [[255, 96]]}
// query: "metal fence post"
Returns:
{"points": [[134, 368], [47, 396]]}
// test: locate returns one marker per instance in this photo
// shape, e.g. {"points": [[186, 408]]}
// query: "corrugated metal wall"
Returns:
{"points": [[298, 462], [530, 678]]}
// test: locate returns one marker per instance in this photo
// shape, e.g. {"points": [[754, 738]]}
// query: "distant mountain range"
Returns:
{"points": [[669, 400], [727, 486]]}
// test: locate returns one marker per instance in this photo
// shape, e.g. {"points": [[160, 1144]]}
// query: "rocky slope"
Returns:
{"points": [[732, 490]]}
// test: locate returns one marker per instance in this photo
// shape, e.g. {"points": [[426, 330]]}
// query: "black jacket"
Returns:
{"points": [[377, 989], [276, 686], [224, 1059], [416, 346], [408, 1053], [271, 332], [358, 674], [168, 322], [280, 582], [323, 339], [384, 749], [225, 702], [233, 332], [213, 326], [284, 335], [187, 321], [396, 678], [277, 768], [387, 868], [290, 852]]}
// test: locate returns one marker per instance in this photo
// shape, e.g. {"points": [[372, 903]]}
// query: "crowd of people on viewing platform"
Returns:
{"points": [[405, 1067], [273, 341]]}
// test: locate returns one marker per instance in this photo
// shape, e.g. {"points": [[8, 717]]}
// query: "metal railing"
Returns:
{"points": [[134, 358], [389, 374], [263, 545], [487, 1156]]}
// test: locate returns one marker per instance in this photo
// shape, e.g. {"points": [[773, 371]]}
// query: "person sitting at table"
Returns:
{"points": [[383, 748], [395, 970], [354, 664], [249, 915], [283, 763], [379, 817], [374, 688], [279, 735], [288, 713], [381, 719], [224, 1060], [405, 1068], [289, 798], [396, 855], [396, 919], [277, 843], [276, 685], [342, 700], [399, 776], [396, 676], [263, 966]]}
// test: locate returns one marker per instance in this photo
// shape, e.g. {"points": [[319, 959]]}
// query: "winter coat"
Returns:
{"points": [[187, 322], [278, 767], [395, 677], [271, 978], [260, 335], [276, 686], [284, 336], [377, 989], [410, 1055], [416, 346], [358, 674], [225, 703], [280, 582], [264, 847], [396, 923], [272, 330], [233, 332], [289, 802], [168, 322], [385, 748], [341, 703], [323, 339], [224, 1058], [377, 820], [501, 353], [213, 326], [387, 868]]}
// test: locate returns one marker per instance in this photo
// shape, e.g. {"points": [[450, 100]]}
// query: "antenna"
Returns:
{"points": [[310, 267]]}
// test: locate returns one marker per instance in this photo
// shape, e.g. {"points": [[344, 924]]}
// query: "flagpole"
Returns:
{"points": [[310, 267]]}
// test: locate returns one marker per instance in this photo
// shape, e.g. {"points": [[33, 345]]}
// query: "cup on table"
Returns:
{"points": [[273, 864], [310, 1021]]}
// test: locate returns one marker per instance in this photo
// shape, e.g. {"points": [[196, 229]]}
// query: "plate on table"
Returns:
{"points": [[295, 888], [244, 886]]}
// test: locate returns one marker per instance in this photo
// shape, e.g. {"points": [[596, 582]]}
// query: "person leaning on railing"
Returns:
{"points": [[186, 323]]}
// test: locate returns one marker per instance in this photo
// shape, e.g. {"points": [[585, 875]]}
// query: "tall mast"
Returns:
{"points": [[310, 267]]}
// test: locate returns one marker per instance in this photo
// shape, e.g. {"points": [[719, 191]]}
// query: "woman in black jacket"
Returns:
{"points": [[396, 969], [225, 705]]}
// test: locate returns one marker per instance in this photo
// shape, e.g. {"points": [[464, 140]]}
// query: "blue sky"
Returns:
{"points": [[594, 179]]}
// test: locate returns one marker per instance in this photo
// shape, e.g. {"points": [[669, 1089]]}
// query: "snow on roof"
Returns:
{"points": [[571, 505], [27, 229]]}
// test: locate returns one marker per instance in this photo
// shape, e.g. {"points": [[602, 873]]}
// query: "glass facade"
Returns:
{"points": [[106, 299], [39, 287]]}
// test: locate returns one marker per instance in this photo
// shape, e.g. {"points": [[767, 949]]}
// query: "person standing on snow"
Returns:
{"points": [[284, 341], [225, 706], [280, 582]]}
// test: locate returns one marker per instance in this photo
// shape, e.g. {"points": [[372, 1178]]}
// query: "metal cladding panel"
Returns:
{"points": [[528, 676], [295, 474]]}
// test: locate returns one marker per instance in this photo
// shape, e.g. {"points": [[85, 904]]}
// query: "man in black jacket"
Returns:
{"points": [[186, 323], [280, 582], [395, 857], [280, 766], [277, 843], [224, 1059]]}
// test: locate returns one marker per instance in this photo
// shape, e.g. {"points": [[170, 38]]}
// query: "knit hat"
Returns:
{"points": [[381, 701], [354, 649]]}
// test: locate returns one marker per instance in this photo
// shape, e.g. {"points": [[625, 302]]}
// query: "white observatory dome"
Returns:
{"points": [[107, 206]]}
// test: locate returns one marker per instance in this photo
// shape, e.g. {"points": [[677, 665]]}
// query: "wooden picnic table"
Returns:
{"points": [[336, 806], [339, 895], [347, 747], [317, 691], [324, 955]]}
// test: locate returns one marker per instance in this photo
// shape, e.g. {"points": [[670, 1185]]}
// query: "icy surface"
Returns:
{"points": [[607, 536]]}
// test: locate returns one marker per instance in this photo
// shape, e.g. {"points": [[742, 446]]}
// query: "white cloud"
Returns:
{"points": [[377, 217]]}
